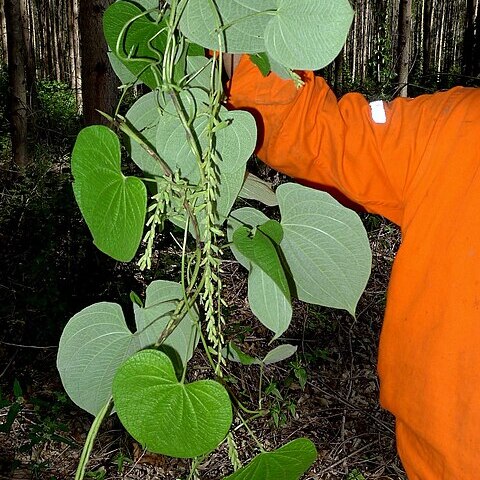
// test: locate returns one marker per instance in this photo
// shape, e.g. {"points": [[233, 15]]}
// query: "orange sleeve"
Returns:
{"points": [[309, 135]]}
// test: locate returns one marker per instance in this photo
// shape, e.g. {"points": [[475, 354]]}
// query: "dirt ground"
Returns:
{"points": [[337, 408]]}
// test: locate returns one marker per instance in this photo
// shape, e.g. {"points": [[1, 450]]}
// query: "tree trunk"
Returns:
{"points": [[476, 49], [75, 60], [17, 51], [338, 72], [426, 36], [30, 67], [3, 33], [471, 40], [99, 84], [403, 48]]}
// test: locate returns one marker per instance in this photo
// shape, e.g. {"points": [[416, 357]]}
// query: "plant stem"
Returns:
{"points": [[92, 434], [250, 432]]}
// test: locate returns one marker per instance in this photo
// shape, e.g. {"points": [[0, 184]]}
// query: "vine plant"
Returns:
{"points": [[193, 154]]}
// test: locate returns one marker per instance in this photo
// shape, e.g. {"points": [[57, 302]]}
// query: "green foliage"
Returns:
{"points": [[260, 248], [57, 112], [295, 34], [167, 416], [96, 341], [255, 188], [307, 36], [320, 235], [14, 407], [114, 206], [355, 475], [193, 153], [286, 463], [136, 40]]}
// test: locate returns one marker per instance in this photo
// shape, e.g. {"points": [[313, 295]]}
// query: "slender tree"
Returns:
{"points": [[470, 58], [17, 65], [3, 33], [98, 79], [403, 46]]}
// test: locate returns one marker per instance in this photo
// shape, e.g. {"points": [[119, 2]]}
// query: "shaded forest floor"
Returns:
{"points": [[50, 270]]}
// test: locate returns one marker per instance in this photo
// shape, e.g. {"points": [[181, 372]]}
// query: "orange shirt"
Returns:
{"points": [[420, 169]]}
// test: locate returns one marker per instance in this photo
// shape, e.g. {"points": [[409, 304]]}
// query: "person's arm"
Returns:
{"points": [[366, 152]]}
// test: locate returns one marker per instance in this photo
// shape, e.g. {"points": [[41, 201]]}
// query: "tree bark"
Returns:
{"points": [[17, 60], [426, 36], [3, 33], [30, 64], [75, 59], [403, 48], [470, 58], [99, 84]]}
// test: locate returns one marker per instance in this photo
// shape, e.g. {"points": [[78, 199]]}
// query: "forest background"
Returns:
{"points": [[54, 74]]}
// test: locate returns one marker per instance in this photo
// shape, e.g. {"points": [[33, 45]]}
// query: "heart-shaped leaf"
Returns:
{"points": [[289, 462], [140, 39], [114, 206], [326, 247], [261, 249], [244, 22], [306, 35], [167, 416], [96, 341]]}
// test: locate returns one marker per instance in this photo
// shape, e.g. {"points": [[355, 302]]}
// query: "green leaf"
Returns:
{"points": [[228, 190], [279, 354], [306, 35], [256, 189], [289, 462], [244, 22], [325, 246], [266, 299], [200, 70], [260, 248], [167, 416], [262, 61], [234, 354], [114, 206], [268, 302], [281, 70], [17, 389], [243, 216], [195, 50], [158, 304], [12, 413], [234, 143], [142, 43], [121, 71], [144, 116], [96, 341], [146, 4]]}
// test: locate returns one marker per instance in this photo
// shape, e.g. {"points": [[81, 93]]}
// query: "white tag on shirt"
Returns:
{"points": [[378, 111]]}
